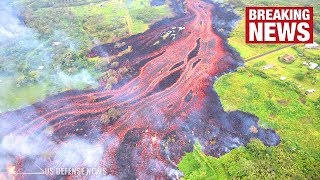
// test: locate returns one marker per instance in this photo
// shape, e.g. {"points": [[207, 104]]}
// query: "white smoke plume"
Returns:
{"points": [[16, 41], [10, 25], [23, 50]]}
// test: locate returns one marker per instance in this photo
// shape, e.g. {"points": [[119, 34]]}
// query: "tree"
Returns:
{"points": [[114, 65], [92, 98], [111, 115], [112, 80], [34, 76], [299, 76], [105, 119], [123, 70], [21, 80]]}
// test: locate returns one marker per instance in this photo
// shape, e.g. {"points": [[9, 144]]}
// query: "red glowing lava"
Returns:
{"points": [[164, 109]]}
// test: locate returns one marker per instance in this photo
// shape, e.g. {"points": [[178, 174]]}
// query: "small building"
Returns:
{"points": [[282, 78], [173, 36], [313, 45], [181, 28], [56, 43], [309, 91], [268, 66], [288, 59], [313, 65], [253, 129]]}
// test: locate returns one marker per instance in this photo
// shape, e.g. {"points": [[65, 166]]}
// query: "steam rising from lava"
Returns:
{"points": [[23, 50], [163, 108]]}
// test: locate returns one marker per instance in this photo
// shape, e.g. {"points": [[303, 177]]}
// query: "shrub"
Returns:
{"points": [[111, 115], [299, 76]]}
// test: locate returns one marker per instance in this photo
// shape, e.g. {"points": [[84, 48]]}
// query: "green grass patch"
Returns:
{"points": [[117, 19], [280, 106], [13, 98], [237, 40], [309, 78], [197, 165]]}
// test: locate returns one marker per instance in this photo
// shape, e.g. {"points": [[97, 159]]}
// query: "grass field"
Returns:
{"points": [[279, 106], [237, 37], [12, 97], [310, 78], [124, 13], [237, 40], [100, 22]]}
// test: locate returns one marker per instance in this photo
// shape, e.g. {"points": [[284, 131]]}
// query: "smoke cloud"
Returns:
{"points": [[28, 58], [10, 25], [17, 41]]}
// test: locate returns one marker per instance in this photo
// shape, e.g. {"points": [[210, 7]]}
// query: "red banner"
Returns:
{"points": [[279, 25]]}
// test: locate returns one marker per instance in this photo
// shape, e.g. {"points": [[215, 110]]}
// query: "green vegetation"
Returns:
{"points": [[197, 165], [280, 106], [102, 21], [52, 52], [240, 4], [109, 116], [16, 97], [114, 19], [238, 41], [237, 37], [296, 73]]}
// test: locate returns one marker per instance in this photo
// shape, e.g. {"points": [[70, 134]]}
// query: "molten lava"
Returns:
{"points": [[164, 109]]}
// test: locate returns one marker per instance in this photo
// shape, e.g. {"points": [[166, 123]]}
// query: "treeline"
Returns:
{"points": [[280, 106], [256, 161], [37, 4]]}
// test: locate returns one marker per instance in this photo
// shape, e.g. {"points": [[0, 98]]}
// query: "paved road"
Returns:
{"points": [[275, 50], [267, 53]]}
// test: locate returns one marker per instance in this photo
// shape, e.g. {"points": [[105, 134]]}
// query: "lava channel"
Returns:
{"points": [[159, 119]]}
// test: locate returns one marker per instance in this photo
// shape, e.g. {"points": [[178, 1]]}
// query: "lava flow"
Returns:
{"points": [[167, 106]]}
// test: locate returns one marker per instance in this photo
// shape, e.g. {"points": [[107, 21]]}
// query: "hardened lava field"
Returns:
{"points": [[161, 111]]}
